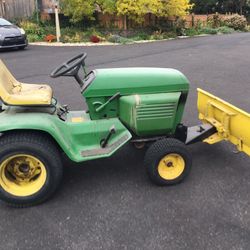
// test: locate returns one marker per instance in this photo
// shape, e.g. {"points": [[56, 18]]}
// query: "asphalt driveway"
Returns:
{"points": [[111, 204]]}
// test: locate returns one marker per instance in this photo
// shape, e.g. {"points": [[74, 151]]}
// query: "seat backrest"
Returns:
{"points": [[7, 82]]}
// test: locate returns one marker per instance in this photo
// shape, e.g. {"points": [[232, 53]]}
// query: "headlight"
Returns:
{"points": [[22, 31]]}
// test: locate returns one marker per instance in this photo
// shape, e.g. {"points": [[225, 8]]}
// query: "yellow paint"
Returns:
{"points": [[232, 123], [77, 119], [213, 139], [22, 175], [171, 166], [13, 92]]}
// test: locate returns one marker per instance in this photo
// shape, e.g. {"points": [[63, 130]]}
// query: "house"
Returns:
{"points": [[11, 9]]}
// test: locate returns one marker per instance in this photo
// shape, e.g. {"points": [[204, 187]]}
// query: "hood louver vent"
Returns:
{"points": [[155, 111]]}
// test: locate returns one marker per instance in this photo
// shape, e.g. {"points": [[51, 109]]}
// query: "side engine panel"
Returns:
{"points": [[151, 114]]}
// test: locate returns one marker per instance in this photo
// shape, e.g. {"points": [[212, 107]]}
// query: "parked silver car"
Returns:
{"points": [[12, 36]]}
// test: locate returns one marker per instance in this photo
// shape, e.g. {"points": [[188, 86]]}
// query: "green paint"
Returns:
{"points": [[130, 81], [151, 102], [152, 114], [73, 137]]}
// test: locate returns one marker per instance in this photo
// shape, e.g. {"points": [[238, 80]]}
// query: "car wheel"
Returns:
{"points": [[22, 47]]}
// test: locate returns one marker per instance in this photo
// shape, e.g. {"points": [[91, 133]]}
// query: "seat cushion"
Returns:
{"points": [[13, 92], [30, 94]]}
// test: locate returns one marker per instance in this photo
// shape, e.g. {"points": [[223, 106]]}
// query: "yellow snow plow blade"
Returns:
{"points": [[232, 124]]}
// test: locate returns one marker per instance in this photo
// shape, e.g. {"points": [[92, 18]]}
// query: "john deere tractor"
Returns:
{"points": [[143, 106]]}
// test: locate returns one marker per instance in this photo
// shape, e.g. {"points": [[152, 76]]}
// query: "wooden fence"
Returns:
{"points": [[120, 22], [11, 9]]}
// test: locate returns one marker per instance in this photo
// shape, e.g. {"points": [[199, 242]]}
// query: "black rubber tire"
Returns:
{"points": [[157, 151], [41, 147], [22, 47]]}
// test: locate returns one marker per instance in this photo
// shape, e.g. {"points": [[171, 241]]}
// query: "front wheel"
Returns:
{"points": [[168, 162], [22, 47], [30, 168]]}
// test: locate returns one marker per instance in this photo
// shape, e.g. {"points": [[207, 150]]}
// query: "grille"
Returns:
{"points": [[155, 111], [16, 40]]}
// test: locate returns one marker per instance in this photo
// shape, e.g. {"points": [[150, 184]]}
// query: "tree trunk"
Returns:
{"points": [[125, 23], [241, 5]]}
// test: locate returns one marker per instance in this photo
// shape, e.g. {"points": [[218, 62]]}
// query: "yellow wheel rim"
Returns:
{"points": [[171, 166], [22, 175]]}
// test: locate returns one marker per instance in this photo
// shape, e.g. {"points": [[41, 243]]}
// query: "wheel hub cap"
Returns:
{"points": [[171, 166], [24, 168], [22, 175]]}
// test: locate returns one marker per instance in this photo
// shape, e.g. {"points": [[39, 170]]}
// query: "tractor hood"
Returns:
{"points": [[127, 81]]}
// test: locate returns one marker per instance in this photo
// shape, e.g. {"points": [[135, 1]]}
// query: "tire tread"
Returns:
{"points": [[160, 148], [42, 143]]}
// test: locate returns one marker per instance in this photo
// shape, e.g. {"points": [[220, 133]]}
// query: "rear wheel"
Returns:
{"points": [[30, 168], [168, 162]]}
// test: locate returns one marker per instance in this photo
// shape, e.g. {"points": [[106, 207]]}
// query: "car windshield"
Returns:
{"points": [[4, 22]]}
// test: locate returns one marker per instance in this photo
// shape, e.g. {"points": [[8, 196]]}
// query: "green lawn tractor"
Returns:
{"points": [[143, 106]]}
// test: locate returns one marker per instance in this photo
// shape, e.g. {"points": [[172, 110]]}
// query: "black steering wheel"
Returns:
{"points": [[71, 68]]}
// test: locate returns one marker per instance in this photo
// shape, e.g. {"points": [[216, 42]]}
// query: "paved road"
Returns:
{"points": [[111, 204]]}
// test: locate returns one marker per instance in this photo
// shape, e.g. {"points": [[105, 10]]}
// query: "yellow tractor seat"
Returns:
{"points": [[13, 92]]}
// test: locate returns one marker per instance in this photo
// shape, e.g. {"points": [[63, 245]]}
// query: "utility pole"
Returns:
{"points": [[58, 31], [37, 11]]}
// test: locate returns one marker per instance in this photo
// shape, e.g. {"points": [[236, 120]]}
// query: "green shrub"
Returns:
{"points": [[34, 38], [32, 28], [236, 22], [214, 21], [119, 39], [170, 34], [137, 38], [114, 39], [38, 32], [125, 40], [208, 30], [35, 31], [191, 32], [141, 36], [49, 30], [179, 26], [157, 35], [247, 28], [225, 30], [77, 37]]}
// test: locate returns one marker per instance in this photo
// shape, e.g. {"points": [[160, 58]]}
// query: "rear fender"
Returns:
{"points": [[80, 140], [46, 123]]}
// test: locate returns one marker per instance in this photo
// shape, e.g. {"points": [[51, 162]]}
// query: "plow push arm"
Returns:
{"points": [[220, 121]]}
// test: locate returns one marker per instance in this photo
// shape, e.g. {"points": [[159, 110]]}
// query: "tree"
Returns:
{"points": [[136, 10], [177, 8], [133, 9], [106, 6], [204, 7], [222, 6], [79, 9]]}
